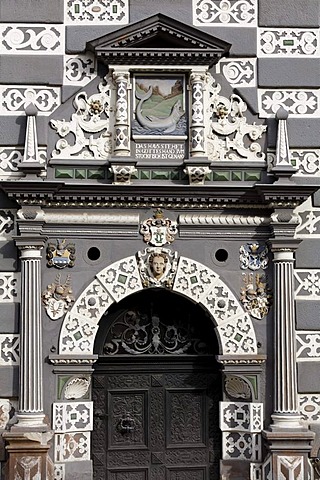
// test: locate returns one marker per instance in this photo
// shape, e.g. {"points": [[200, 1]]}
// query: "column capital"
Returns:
{"points": [[284, 245], [30, 242]]}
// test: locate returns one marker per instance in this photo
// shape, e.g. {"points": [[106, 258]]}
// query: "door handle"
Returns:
{"points": [[126, 424]]}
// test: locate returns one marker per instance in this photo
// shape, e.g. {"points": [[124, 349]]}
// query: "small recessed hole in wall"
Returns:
{"points": [[221, 255], [94, 253]]}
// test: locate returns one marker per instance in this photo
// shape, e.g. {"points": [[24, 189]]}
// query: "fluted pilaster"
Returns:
{"points": [[30, 413], [286, 412]]}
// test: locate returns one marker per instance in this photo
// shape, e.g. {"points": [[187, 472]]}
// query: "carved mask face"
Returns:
{"points": [[158, 267]]}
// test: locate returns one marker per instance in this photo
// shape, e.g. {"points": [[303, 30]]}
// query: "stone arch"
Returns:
{"points": [[192, 279]]}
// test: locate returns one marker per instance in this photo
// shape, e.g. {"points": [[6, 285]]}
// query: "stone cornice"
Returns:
{"points": [[159, 40], [240, 195]]}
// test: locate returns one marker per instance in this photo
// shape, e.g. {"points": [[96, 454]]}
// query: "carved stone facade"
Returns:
{"points": [[159, 213]]}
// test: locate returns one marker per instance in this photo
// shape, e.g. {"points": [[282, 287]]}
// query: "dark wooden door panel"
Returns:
{"points": [[159, 425]]}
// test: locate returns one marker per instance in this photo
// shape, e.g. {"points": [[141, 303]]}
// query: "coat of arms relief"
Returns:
{"points": [[158, 231]]}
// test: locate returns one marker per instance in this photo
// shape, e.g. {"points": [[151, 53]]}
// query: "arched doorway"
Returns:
{"points": [[156, 388]]}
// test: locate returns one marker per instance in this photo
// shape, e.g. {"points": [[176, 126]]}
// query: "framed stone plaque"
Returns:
{"points": [[159, 107]]}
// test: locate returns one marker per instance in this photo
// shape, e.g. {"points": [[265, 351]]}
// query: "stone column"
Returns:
{"points": [[122, 133], [289, 441], [197, 85], [30, 414], [286, 410]]}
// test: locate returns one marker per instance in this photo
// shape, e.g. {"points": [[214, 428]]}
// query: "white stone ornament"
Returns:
{"points": [[229, 136], [157, 267], [158, 231], [255, 295], [76, 388], [91, 117], [253, 256], [58, 298]]}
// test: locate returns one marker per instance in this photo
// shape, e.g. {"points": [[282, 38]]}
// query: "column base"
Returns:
{"points": [[288, 457], [30, 421], [28, 456], [283, 421]]}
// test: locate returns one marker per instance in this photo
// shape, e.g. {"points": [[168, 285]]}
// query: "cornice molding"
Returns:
{"points": [[159, 40]]}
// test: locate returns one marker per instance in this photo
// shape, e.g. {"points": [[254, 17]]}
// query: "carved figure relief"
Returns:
{"points": [[157, 267], [255, 295], [58, 297], [61, 255], [230, 137], [91, 117], [158, 230], [159, 105], [253, 256]]}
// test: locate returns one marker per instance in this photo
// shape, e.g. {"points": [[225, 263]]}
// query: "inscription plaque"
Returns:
{"points": [[160, 151]]}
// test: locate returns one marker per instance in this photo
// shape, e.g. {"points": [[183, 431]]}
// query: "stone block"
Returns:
{"points": [[308, 315], [33, 11], [288, 72], [33, 69], [301, 132], [296, 13], [308, 254], [308, 377]]}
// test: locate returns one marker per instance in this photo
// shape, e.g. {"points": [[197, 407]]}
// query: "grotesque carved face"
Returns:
{"points": [[158, 266]]}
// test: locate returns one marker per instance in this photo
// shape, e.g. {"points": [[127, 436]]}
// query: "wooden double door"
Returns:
{"points": [[156, 418]]}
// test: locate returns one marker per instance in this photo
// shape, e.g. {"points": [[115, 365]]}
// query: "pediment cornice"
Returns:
{"points": [[159, 40]]}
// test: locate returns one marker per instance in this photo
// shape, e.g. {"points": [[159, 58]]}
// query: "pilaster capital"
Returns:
{"points": [[283, 248], [30, 244]]}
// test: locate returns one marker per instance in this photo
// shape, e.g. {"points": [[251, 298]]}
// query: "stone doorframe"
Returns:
{"points": [[75, 358]]}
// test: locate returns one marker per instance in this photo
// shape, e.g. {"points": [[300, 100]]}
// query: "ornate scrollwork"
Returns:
{"points": [[229, 132], [87, 119], [138, 333]]}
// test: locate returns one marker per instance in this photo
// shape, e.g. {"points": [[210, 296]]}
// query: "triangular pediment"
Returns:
{"points": [[159, 40]]}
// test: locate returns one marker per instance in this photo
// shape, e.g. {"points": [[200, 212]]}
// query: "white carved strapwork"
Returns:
{"points": [[288, 42], [229, 136], [92, 12], [11, 157], [291, 467], [32, 39], [309, 218], [121, 126], [9, 287], [238, 72], [59, 471], [79, 70], [308, 345], [309, 404], [6, 223], [231, 13], [122, 174], [130, 275], [72, 417], [241, 417], [241, 446], [197, 174], [296, 102], [92, 116], [14, 99], [72, 446], [9, 348], [307, 286], [158, 231], [197, 82]]}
